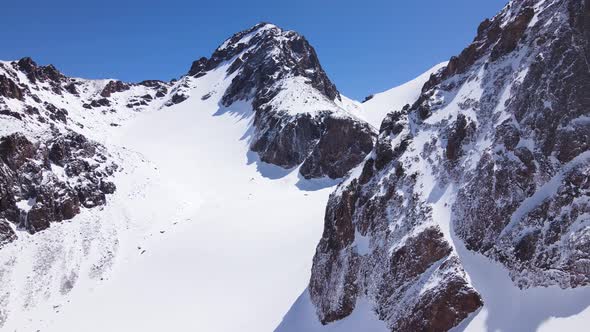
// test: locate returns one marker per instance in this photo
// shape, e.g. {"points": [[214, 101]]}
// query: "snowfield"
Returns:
{"points": [[200, 235], [203, 236]]}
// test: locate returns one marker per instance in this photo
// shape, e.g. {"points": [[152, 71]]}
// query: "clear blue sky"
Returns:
{"points": [[365, 46]]}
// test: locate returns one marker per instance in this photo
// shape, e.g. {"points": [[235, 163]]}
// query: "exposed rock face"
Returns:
{"points": [[39, 73], [263, 55], [160, 86], [48, 172], [497, 145], [113, 87], [380, 241], [7, 234], [343, 145], [48, 75], [9, 89], [199, 67], [278, 54], [285, 140], [43, 85], [267, 64], [29, 175], [530, 167], [177, 98]]}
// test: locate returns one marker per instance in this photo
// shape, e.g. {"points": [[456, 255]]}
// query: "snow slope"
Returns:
{"points": [[302, 317], [506, 307], [374, 110], [201, 234], [198, 231]]}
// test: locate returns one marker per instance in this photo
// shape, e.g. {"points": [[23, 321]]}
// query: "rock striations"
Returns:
{"points": [[496, 151]]}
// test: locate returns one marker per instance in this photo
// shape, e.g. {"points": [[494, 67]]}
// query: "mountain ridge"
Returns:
{"points": [[481, 159], [74, 185]]}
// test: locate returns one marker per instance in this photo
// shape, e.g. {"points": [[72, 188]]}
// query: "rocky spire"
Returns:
{"points": [[263, 55], [266, 60]]}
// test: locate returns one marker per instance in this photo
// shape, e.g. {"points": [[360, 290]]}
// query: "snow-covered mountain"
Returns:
{"points": [[491, 159], [215, 181], [459, 200], [300, 117]]}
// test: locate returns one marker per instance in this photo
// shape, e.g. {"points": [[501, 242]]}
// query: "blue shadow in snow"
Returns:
{"points": [[243, 111], [239, 110], [509, 308], [316, 184], [437, 192], [268, 171], [274, 172]]}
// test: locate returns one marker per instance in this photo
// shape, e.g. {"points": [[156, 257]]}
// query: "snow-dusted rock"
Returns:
{"points": [[46, 160], [524, 200], [299, 118], [494, 150], [45, 182]]}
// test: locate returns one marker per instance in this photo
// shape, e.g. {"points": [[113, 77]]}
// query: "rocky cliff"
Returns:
{"points": [[52, 166], [299, 117], [495, 152], [49, 169]]}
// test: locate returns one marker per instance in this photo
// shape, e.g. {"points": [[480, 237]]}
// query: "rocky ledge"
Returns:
{"points": [[49, 180]]}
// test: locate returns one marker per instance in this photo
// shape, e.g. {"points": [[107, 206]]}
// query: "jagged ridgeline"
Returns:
{"points": [[49, 169], [493, 158], [496, 151], [299, 120]]}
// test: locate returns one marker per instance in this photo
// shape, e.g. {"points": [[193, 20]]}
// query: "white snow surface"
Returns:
{"points": [[200, 235], [374, 110], [302, 318], [506, 307], [296, 96], [247, 37]]}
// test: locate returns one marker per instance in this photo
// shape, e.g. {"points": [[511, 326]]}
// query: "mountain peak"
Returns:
{"points": [[279, 73], [260, 57], [262, 29], [35, 72]]}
